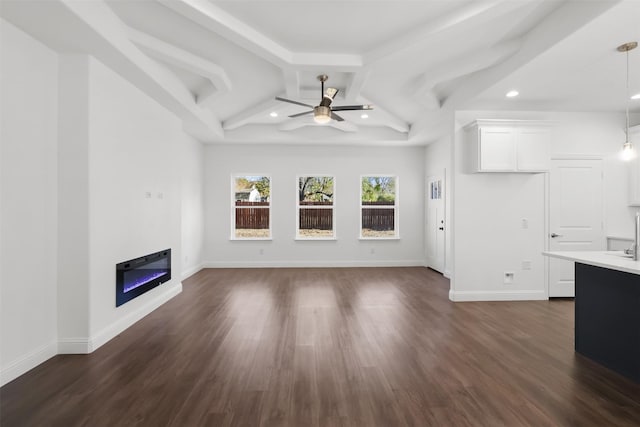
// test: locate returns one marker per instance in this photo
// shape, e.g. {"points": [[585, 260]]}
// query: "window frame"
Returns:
{"points": [[233, 235], [396, 208], [332, 207]]}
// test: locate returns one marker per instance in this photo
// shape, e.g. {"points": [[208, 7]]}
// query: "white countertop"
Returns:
{"points": [[613, 260]]}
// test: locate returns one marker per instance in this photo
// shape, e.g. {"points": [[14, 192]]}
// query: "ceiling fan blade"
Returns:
{"points": [[293, 102], [301, 114], [352, 107], [334, 116]]}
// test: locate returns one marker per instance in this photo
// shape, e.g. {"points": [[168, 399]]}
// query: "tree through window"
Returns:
{"points": [[252, 207], [315, 214], [378, 207]]}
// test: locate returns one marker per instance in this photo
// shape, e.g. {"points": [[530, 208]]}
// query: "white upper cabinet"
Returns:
{"points": [[496, 149], [509, 145], [634, 168]]}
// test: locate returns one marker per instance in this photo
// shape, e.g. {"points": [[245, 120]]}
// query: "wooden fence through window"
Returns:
{"points": [[379, 219], [316, 219], [252, 215], [255, 215]]}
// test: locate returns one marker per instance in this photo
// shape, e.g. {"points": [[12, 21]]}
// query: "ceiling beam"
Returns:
{"points": [[392, 121], [291, 82], [320, 134], [248, 115], [477, 11], [355, 82], [111, 45], [562, 22], [467, 64], [300, 122], [185, 60], [213, 18]]}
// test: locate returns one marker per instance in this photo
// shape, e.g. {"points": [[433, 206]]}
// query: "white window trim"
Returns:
{"points": [[333, 207], [396, 208], [232, 223]]}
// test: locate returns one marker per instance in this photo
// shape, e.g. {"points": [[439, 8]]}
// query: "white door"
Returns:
{"points": [[435, 223], [575, 217]]}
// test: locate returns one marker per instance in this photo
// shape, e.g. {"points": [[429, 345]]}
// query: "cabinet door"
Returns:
{"points": [[532, 147], [497, 150]]}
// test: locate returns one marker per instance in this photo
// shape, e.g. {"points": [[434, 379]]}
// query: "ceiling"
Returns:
{"points": [[220, 64]]}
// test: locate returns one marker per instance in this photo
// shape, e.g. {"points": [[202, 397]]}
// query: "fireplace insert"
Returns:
{"points": [[140, 275]]}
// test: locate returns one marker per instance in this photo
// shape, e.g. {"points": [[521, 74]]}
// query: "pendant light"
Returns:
{"points": [[628, 152]]}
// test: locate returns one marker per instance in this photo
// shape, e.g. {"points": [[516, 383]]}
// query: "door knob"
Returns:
{"points": [[554, 235]]}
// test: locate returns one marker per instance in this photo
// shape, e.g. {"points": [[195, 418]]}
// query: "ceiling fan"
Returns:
{"points": [[324, 112]]}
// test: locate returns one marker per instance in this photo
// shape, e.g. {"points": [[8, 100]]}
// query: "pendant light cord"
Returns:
{"points": [[627, 94]]}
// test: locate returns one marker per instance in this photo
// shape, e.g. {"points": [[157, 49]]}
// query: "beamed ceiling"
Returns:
{"points": [[219, 65]]}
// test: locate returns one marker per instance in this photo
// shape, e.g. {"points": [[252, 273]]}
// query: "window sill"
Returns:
{"points": [[379, 238], [249, 239], [314, 239]]}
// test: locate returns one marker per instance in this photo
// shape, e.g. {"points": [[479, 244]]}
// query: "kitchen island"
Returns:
{"points": [[607, 309]]}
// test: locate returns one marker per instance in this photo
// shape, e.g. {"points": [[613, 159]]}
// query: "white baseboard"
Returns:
{"points": [[526, 295], [80, 345], [191, 271], [27, 362], [447, 274], [310, 264], [111, 331], [83, 345]]}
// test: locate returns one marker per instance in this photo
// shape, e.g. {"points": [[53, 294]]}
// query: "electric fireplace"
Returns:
{"points": [[140, 275]]}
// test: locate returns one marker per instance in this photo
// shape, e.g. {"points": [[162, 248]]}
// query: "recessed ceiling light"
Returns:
{"points": [[512, 93], [636, 96], [364, 116], [273, 114]]}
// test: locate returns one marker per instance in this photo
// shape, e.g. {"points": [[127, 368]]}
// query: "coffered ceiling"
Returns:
{"points": [[220, 64]]}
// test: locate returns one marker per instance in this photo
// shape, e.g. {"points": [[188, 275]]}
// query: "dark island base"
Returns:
{"points": [[607, 315]]}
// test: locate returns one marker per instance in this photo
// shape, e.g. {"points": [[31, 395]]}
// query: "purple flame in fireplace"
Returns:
{"points": [[138, 276]]}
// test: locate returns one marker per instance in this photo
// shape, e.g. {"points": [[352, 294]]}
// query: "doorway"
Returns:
{"points": [[575, 216], [435, 223]]}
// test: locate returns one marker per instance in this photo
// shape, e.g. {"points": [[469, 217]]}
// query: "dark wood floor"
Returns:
{"points": [[343, 347]]}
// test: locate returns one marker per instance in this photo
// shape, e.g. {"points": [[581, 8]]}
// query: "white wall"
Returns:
{"points": [[488, 239], [438, 162], [28, 218], [135, 200], [73, 199], [284, 163], [92, 175], [192, 173]]}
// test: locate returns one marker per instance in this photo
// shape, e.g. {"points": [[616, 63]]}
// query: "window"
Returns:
{"points": [[251, 207], [315, 214], [378, 207]]}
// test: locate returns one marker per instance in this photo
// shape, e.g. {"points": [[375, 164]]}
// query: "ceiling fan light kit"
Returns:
{"points": [[324, 112], [628, 152], [321, 114]]}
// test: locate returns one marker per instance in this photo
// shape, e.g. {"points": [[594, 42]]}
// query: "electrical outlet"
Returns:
{"points": [[526, 264], [373, 251], [261, 251], [509, 277], [525, 223]]}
